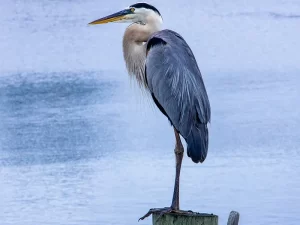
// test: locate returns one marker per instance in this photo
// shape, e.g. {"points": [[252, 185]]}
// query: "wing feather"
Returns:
{"points": [[174, 79]]}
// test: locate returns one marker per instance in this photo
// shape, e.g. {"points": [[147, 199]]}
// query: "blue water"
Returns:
{"points": [[80, 144]]}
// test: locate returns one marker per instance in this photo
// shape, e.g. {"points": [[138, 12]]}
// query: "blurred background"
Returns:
{"points": [[79, 144]]}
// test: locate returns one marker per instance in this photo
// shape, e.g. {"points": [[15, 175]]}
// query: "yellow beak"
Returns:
{"points": [[113, 17]]}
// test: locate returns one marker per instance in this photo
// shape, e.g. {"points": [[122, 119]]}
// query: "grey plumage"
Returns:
{"points": [[175, 81]]}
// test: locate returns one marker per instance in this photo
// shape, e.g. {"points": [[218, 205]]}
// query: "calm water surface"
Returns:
{"points": [[80, 145]]}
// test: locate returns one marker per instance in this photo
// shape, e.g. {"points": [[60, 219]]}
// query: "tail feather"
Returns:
{"points": [[197, 143]]}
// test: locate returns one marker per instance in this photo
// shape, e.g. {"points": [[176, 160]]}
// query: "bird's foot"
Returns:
{"points": [[163, 211]]}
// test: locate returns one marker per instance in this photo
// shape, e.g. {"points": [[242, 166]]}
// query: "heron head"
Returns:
{"points": [[137, 13]]}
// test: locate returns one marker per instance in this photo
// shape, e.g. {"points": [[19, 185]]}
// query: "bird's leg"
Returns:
{"points": [[175, 201], [179, 155]]}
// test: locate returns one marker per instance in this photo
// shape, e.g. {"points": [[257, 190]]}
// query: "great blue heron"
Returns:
{"points": [[163, 64]]}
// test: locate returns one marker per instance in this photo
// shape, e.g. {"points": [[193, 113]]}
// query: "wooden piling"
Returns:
{"points": [[190, 218], [233, 218]]}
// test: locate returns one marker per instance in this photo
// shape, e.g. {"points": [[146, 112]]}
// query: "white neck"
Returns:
{"points": [[134, 46]]}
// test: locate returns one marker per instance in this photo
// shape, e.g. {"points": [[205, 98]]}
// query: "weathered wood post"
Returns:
{"points": [[190, 218], [233, 218]]}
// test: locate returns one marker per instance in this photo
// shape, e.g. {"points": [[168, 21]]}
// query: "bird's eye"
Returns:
{"points": [[132, 9]]}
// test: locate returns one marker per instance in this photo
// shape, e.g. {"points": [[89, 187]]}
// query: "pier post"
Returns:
{"points": [[192, 218], [185, 219]]}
